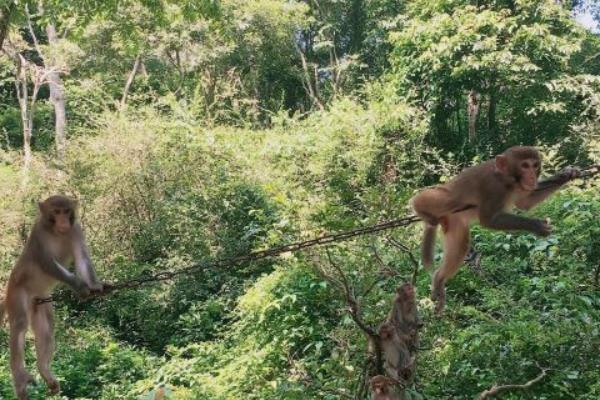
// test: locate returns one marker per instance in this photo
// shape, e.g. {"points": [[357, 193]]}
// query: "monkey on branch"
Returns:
{"points": [[56, 239], [483, 193]]}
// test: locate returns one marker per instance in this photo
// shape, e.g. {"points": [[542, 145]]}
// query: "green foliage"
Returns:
{"points": [[221, 149], [509, 53]]}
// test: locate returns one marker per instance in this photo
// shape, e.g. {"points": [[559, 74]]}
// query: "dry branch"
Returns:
{"points": [[497, 389], [402, 247]]}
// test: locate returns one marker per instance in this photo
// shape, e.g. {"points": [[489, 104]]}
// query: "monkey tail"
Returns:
{"points": [[428, 245]]}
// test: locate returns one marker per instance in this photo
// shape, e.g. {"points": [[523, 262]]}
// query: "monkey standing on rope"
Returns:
{"points": [[484, 193], [56, 239]]}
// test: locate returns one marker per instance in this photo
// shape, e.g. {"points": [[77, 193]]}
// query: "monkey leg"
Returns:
{"points": [[17, 319], [431, 204], [456, 245], [42, 324]]}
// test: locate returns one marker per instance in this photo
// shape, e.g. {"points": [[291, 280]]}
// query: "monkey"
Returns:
{"points": [[56, 239], [403, 315], [395, 351], [483, 193], [382, 388]]}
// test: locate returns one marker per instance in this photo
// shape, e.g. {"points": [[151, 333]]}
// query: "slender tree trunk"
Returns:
{"points": [[492, 112], [311, 89], [57, 96], [473, 111], [7, 11], [130, 78], [26, 115]]}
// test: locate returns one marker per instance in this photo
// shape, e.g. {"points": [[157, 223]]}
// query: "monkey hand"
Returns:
{"points": [[542, 227], [102, 288], [568, 173], [82, 290], [96, 287]]}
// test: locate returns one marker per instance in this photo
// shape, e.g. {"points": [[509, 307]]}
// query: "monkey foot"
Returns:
{"points": [[53, 387]]}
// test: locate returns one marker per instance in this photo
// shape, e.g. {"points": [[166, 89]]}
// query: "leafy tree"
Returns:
{"points": [[502, 53]]}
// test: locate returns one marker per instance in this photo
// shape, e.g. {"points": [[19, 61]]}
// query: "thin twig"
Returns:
{"points": [[410, 255]]}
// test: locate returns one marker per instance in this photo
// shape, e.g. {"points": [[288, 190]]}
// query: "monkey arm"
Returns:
{"points": [[547, 187], [83, 263], [491, 215], [53, 268]]}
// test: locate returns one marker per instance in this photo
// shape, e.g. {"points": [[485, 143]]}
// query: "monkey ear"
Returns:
{"points": [[502, 163], [42, 207], [74, 203]]}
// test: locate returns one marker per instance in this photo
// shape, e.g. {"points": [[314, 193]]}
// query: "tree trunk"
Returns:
{"points": [[130, 78], [5, 15], [473, 111], [26, 117], [492, 112], [57, 96]]}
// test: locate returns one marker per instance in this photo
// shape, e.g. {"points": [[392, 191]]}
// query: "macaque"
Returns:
{"points": [[395, 351], [55, 240], [403, 315], [382, 388], [483, 193]]}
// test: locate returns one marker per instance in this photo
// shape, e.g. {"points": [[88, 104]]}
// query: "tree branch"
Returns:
{"points": [[497, 389], [402, 247], [36, 44]]}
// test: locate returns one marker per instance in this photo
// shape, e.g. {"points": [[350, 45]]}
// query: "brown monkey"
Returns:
{"points": [[403, 315], [484, 193], [56, 239], [382, 388], [395, 352]]}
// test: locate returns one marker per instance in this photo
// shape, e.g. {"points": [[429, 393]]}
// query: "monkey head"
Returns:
{"points": [[380, 384], [386, 331], [57, 214], [405, 292], [521, 165]]}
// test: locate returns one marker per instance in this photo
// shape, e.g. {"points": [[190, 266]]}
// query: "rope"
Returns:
{"points": [[290, 247]]}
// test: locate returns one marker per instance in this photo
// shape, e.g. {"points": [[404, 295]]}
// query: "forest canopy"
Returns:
{"points": [[200, 130]]}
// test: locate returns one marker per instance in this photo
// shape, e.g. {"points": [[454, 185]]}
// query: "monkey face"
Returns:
{"points": [[58, 212], [386, 331], [379, 384], [61, 217], [521, 163], [407, 291], [379, 388], [528, 171]]}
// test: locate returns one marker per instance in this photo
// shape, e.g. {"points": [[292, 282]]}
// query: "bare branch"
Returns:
{"points": [[307, 82], [497, 389], [345, 284], [36, 44], [129, 82], [410, 255], [351, 302]]}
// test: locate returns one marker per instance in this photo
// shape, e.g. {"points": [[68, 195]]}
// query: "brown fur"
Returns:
{"points": [[55, 240], [483, 193]]}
